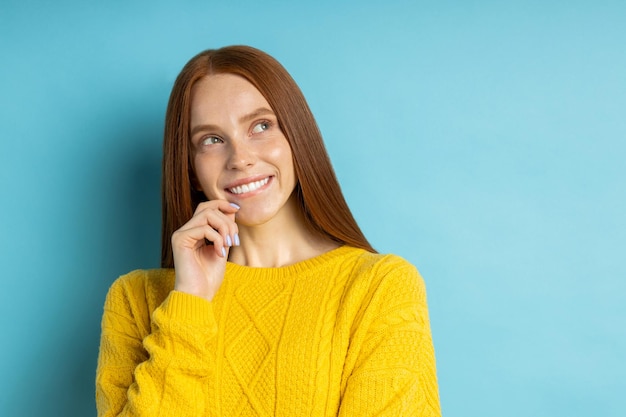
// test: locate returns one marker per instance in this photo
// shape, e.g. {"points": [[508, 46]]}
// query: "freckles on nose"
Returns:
{"points": [[240, 156]]}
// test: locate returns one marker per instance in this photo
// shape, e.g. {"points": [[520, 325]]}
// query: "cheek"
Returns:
{"points": [[283, 158], [206, 178]]}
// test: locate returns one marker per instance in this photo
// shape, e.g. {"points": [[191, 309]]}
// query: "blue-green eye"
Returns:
{"points": [[260, 127], [210, 140]]}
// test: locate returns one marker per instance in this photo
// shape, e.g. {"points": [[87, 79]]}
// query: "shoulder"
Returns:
{"points": [[384, 276], [147, 287], [377, 267], [384, 292]]}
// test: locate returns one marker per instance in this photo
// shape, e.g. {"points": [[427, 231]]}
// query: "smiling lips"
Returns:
{"points": [[246, 188]]}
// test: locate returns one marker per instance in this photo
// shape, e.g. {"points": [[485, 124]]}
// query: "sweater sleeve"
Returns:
{"points": [[391, 362], [162, 373]]}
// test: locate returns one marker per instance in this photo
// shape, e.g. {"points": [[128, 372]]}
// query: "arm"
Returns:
{"points": [[163, 373], [391, 362]]}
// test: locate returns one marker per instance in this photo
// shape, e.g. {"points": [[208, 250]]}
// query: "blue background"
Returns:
{"points": [[483, 141]]}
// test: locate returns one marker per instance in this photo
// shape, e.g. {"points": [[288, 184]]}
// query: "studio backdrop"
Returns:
{"points": [[483, 141]]}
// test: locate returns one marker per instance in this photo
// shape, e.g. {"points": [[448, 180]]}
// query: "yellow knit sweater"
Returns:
{"points": [[342, 334]]}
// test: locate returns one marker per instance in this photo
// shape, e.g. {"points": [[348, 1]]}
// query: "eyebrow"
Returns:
{"points": [[261, 111]]}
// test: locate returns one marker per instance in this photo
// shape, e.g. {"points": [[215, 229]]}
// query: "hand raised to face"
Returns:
{"points": [[201, 246]]}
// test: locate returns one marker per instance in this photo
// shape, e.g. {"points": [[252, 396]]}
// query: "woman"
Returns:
{"points": [[270, 301]]}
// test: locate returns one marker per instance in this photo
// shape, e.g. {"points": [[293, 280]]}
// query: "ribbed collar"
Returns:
{"points": [[308, 266]]}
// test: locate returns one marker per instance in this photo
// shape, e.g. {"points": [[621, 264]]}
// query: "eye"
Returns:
{"points": [[210, 140], [261, 127]]}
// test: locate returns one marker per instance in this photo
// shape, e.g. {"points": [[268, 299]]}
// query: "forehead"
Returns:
{"points": [[222, 90]]}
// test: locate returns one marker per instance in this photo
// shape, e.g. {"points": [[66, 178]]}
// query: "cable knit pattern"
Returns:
{"points": [[343, 334]]}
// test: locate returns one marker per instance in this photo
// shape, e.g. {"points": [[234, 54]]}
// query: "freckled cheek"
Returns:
{"points": [[281, 157], [208, 179], [276, 154]]}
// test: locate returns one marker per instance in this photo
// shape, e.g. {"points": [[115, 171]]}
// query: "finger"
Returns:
{"points": [[222, 205], [210, 216], [195, 238], [230, 212], [223, 223], [209, 208]]}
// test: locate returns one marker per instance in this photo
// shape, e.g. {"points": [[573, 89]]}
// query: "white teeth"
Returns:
{"points": [[246, 188]]}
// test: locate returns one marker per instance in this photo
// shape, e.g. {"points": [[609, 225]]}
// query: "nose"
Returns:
{"points": [[241, 156]]}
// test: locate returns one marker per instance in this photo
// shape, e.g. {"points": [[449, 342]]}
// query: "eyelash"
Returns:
{"points": [[267, 123], [206, 138]]}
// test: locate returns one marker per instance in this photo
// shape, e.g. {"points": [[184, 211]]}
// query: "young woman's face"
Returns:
{"points": [[239, 153]]}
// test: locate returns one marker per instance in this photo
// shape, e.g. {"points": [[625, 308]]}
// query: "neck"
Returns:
{"points": [[280, 242]]}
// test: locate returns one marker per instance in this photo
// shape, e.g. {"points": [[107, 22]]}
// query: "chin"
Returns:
{"points": [[256, 218]]}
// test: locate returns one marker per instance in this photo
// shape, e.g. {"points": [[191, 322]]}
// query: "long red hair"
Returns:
{"points": [[319, 194]]}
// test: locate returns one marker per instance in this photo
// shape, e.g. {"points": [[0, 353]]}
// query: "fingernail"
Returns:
{"points": [[229, 242], [235, 206], [223, 252], [237, 239]]}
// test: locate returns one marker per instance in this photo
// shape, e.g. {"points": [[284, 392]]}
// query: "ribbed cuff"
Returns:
{"points": [[189, 310]]}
